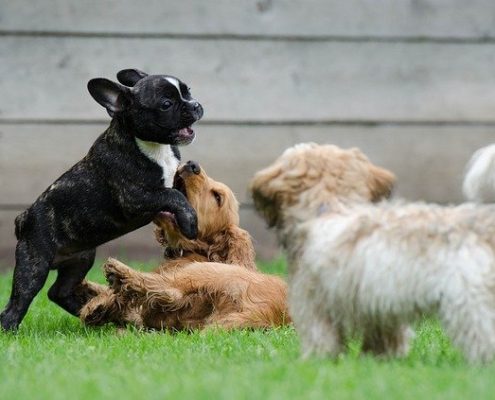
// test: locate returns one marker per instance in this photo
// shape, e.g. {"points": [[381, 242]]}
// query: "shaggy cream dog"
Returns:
{"points": [[358, 265]]}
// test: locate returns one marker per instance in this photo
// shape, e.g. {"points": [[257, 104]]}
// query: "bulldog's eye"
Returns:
{"points": [[166, 105], [218, 197]]}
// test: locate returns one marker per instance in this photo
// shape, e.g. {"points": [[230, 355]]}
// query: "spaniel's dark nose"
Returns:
{"points": [[193, 167]]}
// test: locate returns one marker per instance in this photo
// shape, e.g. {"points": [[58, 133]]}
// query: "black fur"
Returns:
{"points": [[113, 190]]}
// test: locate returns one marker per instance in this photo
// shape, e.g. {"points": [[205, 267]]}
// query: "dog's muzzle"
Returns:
{"points": [[197, 111], [192, 167]]}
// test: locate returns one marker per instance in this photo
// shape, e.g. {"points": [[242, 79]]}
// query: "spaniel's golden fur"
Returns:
{"points": [[361, 265], [210, 281], [220, 239]]}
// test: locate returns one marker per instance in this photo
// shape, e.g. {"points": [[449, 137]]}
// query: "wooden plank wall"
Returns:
{"points": [[410, 82]]}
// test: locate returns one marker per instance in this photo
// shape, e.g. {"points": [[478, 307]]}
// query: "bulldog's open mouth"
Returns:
{"points": [[186, 135]]}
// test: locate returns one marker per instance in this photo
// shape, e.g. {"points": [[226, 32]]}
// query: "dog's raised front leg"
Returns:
{"points": [[30, 273], [174, 201], [137, 203], [320, 336], [69, 291]]}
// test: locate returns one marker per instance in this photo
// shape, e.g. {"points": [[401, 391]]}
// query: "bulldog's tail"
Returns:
{"points": [[479, 181]]}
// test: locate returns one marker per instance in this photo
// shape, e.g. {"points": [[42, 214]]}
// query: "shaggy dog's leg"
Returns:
{"points": [[68, 291], [471, 325], [320, 336], [466, 301], [30, 273], [387, 341]]}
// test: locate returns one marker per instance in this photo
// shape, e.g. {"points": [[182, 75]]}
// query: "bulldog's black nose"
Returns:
{"points": [[197, 111], [194, 167]]}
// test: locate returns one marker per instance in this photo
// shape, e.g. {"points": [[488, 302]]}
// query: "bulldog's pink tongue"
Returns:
{"points": [[186, 131]]}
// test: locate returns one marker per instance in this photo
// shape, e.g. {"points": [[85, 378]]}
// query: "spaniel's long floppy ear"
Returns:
{"points": [[233, 246], [381, 183]]}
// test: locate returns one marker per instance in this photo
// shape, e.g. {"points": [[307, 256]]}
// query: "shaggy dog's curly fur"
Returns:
{"points": [[361, 265], [187, 291]]}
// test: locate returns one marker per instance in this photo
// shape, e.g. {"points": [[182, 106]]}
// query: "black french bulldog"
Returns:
{"points": [[119, 186]]}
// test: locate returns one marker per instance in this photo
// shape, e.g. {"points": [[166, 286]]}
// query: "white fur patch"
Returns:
{"points": [[163, 155], [479, 182], [299, 147], [175, 82]]}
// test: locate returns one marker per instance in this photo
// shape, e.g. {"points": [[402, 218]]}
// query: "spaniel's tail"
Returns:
{"points": [[479, 180]]}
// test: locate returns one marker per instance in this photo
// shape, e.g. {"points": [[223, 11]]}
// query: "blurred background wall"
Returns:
{"points": [[410, 82]]}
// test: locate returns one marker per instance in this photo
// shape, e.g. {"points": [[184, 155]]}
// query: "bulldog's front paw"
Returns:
{"points": [[188, 223]]}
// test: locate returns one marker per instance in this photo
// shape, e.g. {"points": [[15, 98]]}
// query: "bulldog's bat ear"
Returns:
{"points": [[110, 95], [129, 77]]}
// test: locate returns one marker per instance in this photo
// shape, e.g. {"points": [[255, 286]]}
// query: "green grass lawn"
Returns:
{"points": [[54, 357]]}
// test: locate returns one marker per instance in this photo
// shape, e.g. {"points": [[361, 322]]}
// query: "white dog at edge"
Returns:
{"points": [[358, 264]]}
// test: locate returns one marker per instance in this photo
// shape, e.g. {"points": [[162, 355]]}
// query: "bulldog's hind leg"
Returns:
{"points": [[30, 273], [69, 291]]}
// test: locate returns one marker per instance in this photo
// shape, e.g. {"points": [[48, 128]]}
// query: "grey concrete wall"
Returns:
{"points": [[409, 82]]}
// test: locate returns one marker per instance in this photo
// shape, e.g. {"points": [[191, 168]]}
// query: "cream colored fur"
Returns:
{"points": [[361, 265], [479, 183]]}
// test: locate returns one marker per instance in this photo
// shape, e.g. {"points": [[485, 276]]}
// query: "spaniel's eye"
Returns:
{"points": [[218, 197], [166, 105]]}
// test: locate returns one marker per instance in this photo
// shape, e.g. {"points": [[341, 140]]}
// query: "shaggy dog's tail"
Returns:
{"points": [[479, 181]]}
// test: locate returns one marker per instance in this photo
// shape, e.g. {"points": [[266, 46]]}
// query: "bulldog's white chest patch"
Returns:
{"points": [[163, 155]]}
